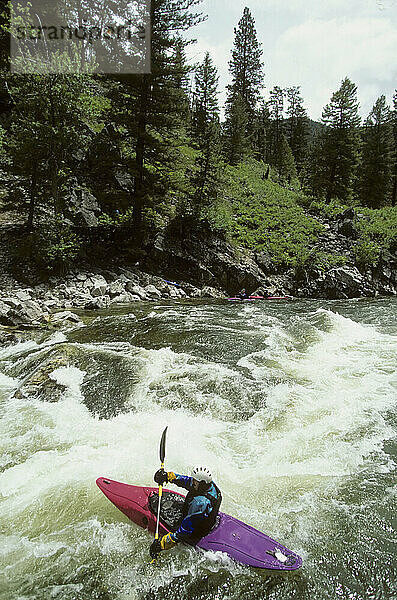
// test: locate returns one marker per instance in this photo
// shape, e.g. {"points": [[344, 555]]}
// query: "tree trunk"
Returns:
{"points": [[139, 188], [32, 203]]}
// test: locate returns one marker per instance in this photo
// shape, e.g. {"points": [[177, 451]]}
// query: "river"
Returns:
{"points": [[291, 404]]}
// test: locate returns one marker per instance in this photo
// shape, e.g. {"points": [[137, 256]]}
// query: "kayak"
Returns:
{"points": [[241, 542], [250, 298]]}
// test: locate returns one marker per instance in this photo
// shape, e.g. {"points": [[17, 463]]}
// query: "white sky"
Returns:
{"points": [[310, 43]]}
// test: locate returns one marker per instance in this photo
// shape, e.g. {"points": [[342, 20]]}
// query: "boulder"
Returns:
{"points": [[265, 262], [210, 292], [23, 295], [31, 311], [81, 207], [343, 282], [98, 302], [116, 288], [136, 290], [99, 286], [21, 313], [12, 302], [50, 304], [64, 318], [152, 291], [5, 310], [123, 298]]}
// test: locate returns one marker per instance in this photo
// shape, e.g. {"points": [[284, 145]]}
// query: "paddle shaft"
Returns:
{"points": [[156, 537], [162, 458]]}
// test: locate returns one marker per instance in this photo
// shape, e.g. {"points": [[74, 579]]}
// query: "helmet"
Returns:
{"points": [[202, 474]]}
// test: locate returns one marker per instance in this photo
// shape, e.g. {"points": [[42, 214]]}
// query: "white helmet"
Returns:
{"points": [[202, 474]]}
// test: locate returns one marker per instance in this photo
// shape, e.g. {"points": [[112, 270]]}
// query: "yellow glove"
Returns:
{"points": [[171, 476], [167, 542]]}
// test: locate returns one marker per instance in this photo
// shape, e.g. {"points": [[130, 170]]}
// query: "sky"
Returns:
{"points": [[313, 44]]}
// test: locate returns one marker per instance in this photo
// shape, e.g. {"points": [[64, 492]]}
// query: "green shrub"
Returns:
{"points": [[57, 246], [325, 260], [366, 252], [268, 217]]}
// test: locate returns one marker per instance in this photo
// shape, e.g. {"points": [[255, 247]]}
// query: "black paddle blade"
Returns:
{"points": [[162, 445]]}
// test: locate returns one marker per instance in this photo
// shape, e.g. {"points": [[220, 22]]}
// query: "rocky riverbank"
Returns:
{"points": [[40, 306], [200, 263]]}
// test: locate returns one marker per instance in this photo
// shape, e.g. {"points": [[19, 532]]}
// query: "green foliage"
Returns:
{"points": [[57, 245], [325, 260], [284, 161], [318, 206], [335, 156], [376, 173], [380, 226], [377, 232], [267, 217], [366, 252]]}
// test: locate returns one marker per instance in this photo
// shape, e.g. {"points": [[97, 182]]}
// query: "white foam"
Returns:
{"points": [[324, 421]]}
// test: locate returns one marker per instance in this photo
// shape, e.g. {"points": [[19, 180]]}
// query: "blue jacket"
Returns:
{"points": [[199, 509]]}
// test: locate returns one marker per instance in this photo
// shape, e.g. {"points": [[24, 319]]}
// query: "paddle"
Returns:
{"points": [[162, 457]]}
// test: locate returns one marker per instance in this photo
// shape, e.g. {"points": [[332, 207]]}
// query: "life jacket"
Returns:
{"points": [[205, 524]]}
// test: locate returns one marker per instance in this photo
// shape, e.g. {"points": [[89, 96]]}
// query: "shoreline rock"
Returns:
{"points": [[51, 304]]}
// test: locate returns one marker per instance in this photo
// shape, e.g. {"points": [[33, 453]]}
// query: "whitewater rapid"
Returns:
{"points": [[292, 407]]}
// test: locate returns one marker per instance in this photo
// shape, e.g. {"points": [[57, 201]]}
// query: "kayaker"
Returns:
{"points": [[242, 294], [199, 511]]}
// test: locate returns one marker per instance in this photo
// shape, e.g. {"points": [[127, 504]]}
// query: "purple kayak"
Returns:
{"points": [[238, 540]]}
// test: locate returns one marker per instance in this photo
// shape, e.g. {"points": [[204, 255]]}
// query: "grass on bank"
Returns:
{"points": [[265, 217]]}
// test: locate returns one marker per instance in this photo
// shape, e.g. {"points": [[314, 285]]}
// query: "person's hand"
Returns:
{"points": [[155, 549], [161, 477]]}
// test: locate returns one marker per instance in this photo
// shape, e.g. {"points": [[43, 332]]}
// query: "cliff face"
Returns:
{"points": [[204, 258]]}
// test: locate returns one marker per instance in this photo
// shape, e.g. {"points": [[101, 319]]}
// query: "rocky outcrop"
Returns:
{"points": [[80, 206], [203, 258], [41, 305]]}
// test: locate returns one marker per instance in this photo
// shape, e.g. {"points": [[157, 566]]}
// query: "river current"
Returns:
{"points": [[291, 404]]}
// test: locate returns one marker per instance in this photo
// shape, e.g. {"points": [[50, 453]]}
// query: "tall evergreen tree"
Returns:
{"points": [[375, 180], [156, 110], [246, 66], [275, 106], [297, 125], [205, 101], [337, 150], [205, 178], [237, 144], [247, 75], [284, 161]]}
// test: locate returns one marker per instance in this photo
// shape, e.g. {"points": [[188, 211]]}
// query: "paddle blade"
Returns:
{"points": [[162, 445]]}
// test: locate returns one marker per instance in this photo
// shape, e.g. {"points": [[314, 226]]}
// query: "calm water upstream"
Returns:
{"points": [[293, 406]]}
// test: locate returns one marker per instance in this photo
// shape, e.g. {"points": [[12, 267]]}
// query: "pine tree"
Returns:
{"points": [[337, 149], [275, 106], [205, 102], [246, 70], [245, 66], [284, 161], [237, 144], [158, 105], [205, 178], [297, 125], [375, 182]]}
